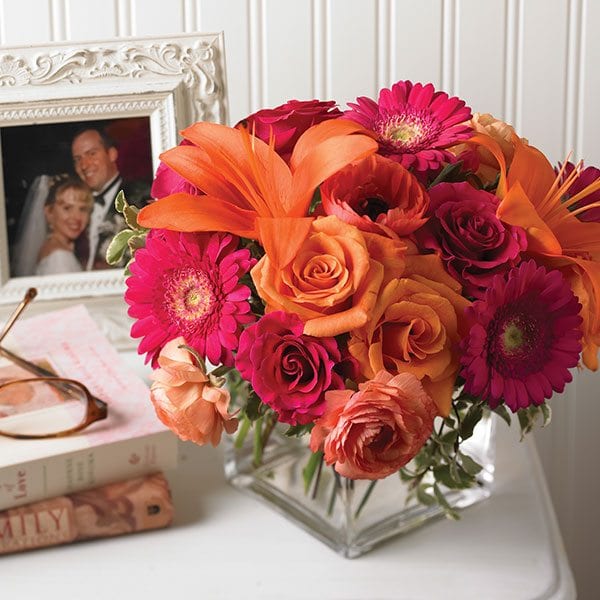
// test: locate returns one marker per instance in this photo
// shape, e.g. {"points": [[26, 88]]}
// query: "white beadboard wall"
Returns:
{"points": [[531, 62]]}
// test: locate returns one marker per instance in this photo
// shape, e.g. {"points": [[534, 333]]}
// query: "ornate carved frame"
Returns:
{"points": [[174, 81]]}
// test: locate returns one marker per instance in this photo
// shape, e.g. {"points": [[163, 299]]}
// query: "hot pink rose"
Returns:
{"points": [[186, 399], [169, 182], [288, 370], [288, 122], [372, 433], [473, 243]]}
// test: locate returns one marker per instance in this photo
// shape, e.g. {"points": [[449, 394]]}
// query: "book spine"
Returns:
{"points": [[126, 507], [86, 468]]}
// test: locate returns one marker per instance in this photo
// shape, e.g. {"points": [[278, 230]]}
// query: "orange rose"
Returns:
{"points": [[186, 399], [372, 433], [415, 327], [500, 132], [332, 281]]}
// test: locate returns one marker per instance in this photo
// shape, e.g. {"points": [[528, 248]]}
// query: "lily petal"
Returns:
{"points": [[184, 212]]}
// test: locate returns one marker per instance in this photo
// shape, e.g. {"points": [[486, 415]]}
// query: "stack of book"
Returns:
{"points": [[120, 458]]}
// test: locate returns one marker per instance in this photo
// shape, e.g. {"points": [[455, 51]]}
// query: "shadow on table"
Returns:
{"points": [[198, 478]]}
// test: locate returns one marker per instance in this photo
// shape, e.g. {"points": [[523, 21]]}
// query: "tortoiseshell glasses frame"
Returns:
{"points": [[96, 409]]}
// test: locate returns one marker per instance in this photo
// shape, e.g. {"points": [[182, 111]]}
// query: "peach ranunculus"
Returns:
{"points": [[377, 195], [187, 400], [371, 433], [331, 279], [499, 131], [415, 327]]}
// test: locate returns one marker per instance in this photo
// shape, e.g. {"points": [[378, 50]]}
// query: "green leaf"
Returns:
{"points": [[406, 475], [316, 200], [423, 460], [460, 404], [455, 473], [503, 413], [252, 408], [546, 413], [525, 421], [449, 438], [424, 497], [450, 512], [469, 421], [136, 242], [118, 246], [130, 214], [442, 474], [299, 430], [490, 187], [120, 202], [450, 422], [448, 173], [460, 475], [311, 467], [469, 465]]}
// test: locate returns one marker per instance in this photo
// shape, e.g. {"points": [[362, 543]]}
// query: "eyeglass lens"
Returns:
{"points": [[41, 407]]}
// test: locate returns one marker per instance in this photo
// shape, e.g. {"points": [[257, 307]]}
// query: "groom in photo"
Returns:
{"points": [[95, 161]]}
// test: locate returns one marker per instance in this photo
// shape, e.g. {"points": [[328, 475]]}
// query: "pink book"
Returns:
{"points": [[131, 442]]}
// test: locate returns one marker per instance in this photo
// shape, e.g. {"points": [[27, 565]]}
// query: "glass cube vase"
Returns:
{"points": [[335, 511]]}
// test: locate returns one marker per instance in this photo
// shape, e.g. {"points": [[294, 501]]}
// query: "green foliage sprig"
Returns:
{"points": [[127, 241]]}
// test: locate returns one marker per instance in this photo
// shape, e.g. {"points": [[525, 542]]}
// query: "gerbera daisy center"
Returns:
{"points": [[405, 132], [513, 337], [189, 294], [410, 130], [518, 342]]}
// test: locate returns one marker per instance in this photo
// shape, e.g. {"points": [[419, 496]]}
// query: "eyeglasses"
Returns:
{"points": [[43, 405]]}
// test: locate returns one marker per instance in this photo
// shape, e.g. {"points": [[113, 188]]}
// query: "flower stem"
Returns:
{"points": [[336, 484], [243, 432], [318, 479], [365, 498], [271, 420], [258, 447]]}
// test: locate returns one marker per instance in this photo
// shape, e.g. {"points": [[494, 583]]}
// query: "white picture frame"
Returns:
{"points": [[174, 81]]}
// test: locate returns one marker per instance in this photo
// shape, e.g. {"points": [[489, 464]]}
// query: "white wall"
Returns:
{"points": [[532, 62]]}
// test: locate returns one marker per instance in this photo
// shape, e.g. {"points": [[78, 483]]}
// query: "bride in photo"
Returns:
{"points": [[67, 211]]}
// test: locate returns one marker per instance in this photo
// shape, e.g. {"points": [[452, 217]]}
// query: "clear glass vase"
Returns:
{"points": [[335, 511]]}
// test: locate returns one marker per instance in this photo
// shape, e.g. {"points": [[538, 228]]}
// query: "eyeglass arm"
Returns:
{"points": [[25, 364], [40, 371], [30, 294]]}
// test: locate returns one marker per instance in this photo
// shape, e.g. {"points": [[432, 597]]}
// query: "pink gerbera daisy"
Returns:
{"points": [[187, 284], [414, 124], [525, 338]]}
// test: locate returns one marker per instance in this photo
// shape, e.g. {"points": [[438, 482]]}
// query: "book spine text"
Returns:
{"points": [[114, 509], [86, 468]]}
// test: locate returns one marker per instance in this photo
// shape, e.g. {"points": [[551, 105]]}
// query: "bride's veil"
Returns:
{"points": [[32, 228]]}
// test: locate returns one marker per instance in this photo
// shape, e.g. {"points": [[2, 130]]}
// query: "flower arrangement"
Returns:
{"points": [[375, 279]]}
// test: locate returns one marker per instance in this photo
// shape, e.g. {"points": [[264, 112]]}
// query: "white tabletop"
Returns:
{"points": [[226, 545]]}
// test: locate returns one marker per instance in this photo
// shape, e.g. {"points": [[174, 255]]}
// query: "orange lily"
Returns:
{"points": [[247, 184], [532, 197]]}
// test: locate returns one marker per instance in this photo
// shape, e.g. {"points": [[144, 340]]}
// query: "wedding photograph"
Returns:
{"points": [[60, 183]]}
